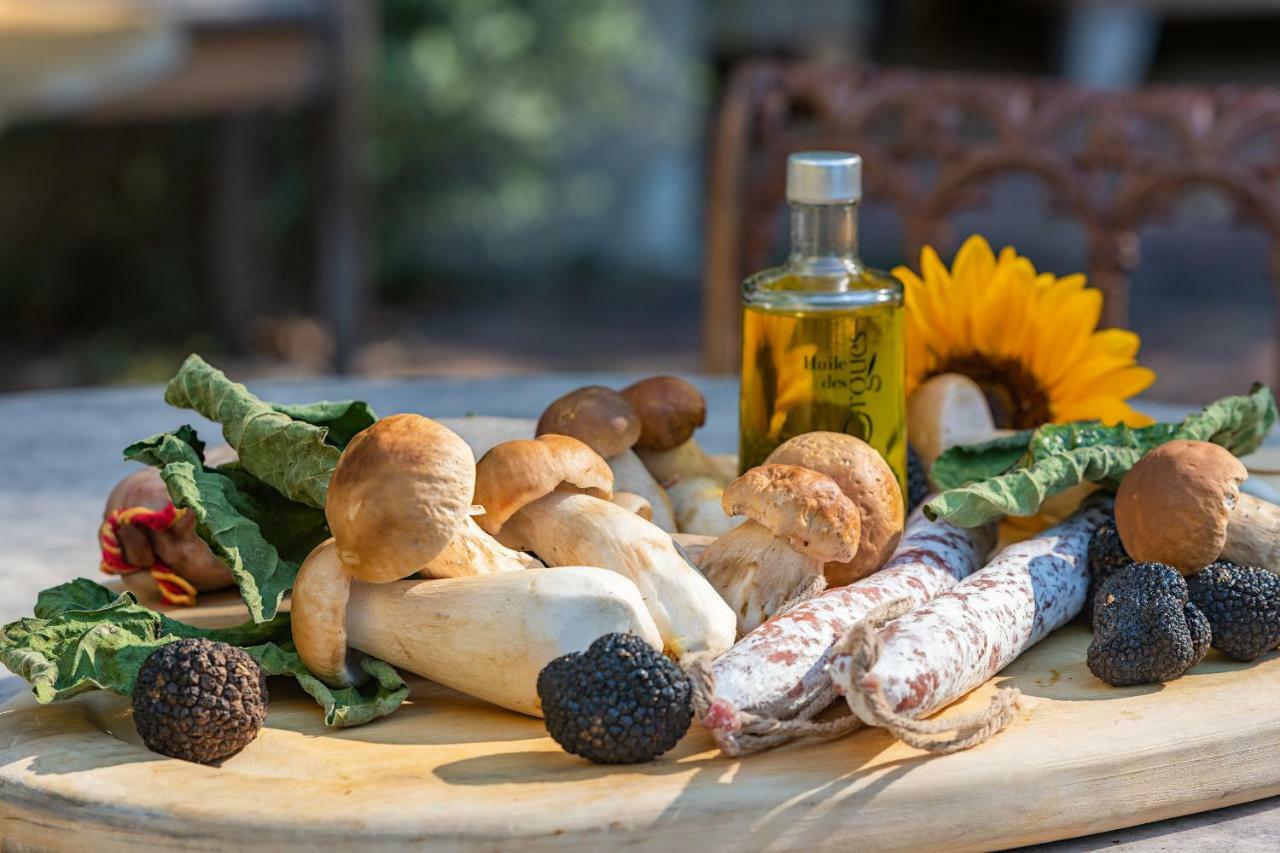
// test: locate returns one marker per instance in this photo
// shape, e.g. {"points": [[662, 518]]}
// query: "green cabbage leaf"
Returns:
{"points": [[281, 446], [86, 637], [258, 534], [1017, 473]]}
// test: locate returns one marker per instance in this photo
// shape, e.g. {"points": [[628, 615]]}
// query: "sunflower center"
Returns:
{"points": [[1016, 397]]}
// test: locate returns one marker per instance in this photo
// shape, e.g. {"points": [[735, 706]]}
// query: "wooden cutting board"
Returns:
{"points": [[450, 772]]}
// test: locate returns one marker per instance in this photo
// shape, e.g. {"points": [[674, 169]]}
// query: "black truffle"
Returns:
{"points": [[1106, 557], [199, 700], [1242, 605], [618, 702], [917, 482], [1145, 629]]}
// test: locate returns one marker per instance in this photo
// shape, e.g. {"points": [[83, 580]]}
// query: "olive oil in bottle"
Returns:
{"points": [[823, 335]]}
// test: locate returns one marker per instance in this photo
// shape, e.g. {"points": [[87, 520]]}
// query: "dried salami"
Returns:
{"points": [[778, 672], [936, 653]]}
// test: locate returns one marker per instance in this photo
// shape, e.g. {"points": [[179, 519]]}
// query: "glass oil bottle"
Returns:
{"points": [[822, 335]]}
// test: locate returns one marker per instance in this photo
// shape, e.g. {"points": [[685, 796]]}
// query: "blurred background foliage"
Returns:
{"points": [[532, 138], [536, 172]]}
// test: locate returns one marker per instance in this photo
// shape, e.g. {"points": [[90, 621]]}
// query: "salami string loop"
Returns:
{"points": [[756, 733], [862, 645]]}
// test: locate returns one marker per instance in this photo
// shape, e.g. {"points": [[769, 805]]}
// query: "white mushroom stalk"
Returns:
{"points": [[634, 503], [945, 411], [488, 636], [799, 522], [551, 496], [473, 552], [670, 410], [602, 419]]}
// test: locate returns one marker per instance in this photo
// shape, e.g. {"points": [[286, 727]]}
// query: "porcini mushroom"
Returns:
{"points": [[602, 419], [551, 496], [867, 480], [670, 410], [944, 411], [399, 503], [800, 520], [1181, 505], [486, 635], [632, 502]]}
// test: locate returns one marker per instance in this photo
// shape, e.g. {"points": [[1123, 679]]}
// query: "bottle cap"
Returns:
{"points": [[824, 177]]}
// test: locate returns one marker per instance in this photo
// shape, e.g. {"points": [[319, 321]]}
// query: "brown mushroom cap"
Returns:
{"points": [[867, 480], [805, 507], [1173, 505], [318, 615], [514, 474], [400, 492], [670, 409], [599, 417]]}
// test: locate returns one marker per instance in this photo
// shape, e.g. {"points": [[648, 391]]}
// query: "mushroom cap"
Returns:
{"points": [[598, 416], [318, 615], [400, 492], [867, 480], [670, 409], [1173, 505], [514, 474], [804, 507]]}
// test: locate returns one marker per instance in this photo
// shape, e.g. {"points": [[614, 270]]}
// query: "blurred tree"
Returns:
{"points": [[530, 139]]}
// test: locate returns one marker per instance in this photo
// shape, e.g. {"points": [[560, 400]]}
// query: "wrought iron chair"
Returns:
{"points": [[935, 144]]}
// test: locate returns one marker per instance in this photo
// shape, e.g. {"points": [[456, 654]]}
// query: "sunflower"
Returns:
{"points": [[1029, 339], [781, 379]]}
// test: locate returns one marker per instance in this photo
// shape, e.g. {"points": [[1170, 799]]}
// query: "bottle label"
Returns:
{"points": [[853, 373]]}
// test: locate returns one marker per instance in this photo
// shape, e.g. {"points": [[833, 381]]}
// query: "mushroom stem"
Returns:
{"points": [[574, 529], [631, 475], [757, 573], [697, 506], [474, 552], [1253, 534], [486, 635], [694, 482], [947, 410], [490, 637], [632, 502], [682, 462]]}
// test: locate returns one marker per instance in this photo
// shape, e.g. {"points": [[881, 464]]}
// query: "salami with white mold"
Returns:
{"points": [[936, 653], [778, 672]]}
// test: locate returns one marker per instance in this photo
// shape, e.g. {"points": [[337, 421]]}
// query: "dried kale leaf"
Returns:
{"points": [[987, 481], [86, 637]]}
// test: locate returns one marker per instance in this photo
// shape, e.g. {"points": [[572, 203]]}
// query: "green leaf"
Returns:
{"points": [[73, 646], [1052, 439], [226, 519], [292, 456], [343, 706], [292, 528], [966, 463], [1059, 456], [79, 594], [342, 419], [80, 650]]}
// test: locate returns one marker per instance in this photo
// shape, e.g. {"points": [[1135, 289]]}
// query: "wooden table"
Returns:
{"points": [[62, 455]]}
